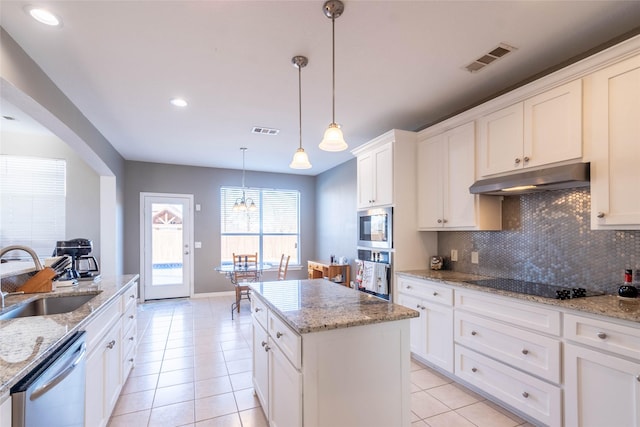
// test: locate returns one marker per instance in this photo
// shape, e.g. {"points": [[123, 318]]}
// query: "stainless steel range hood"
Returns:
{"points": [[555, 178]]}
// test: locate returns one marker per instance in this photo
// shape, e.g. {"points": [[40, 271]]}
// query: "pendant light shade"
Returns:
{"points": [[333, 139], [300, 157]]}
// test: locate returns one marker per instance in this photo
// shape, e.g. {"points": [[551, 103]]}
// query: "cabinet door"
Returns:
{"points": [[383, 175], [285, 391], [615, 109], [553, 125], [417, 325], [94, 389], [439, 335], [600, 390], [500, 141], [459, 158], [112, 366], [430, 183], [365, 180], [261, 366]]}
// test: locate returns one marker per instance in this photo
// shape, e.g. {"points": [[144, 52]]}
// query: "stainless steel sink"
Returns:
{"points": [[47, 305]]}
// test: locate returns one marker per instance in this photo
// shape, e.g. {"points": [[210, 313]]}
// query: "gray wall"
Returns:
{"points": [[83, 183], [547, 238], [204, 184], [336, 213]]}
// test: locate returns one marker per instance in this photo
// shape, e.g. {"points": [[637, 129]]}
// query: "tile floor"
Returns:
{"points": [[194, 369]]}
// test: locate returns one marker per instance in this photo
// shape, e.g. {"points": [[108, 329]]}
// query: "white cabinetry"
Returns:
{"points": [[615, 152], [111, 355], [446, 170], [5, 410], [542, 130], [431, 334], [602, 373], [375, 177]]}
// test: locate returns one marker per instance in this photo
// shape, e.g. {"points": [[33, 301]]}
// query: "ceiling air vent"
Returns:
{"points": [[264, 131], [489, 57]]}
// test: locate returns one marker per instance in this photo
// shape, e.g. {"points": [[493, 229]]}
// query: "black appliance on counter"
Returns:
{"points": [[533, 288], [84, 266]]}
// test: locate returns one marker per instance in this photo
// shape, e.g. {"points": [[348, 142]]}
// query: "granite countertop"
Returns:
{"points": [[26, 341], [319, 305], [604, 305]]}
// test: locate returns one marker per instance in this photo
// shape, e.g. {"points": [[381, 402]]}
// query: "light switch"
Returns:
{"points": [[474, 257], [197, 207], [198, 245], [454, 254]]}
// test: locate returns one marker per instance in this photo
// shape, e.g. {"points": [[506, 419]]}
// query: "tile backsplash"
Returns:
{"points": [[547, 238]]}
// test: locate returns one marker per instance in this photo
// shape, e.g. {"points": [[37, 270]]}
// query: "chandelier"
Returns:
{"points": [[244, 203]]}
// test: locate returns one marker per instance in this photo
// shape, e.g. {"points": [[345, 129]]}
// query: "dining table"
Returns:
{"points": [[229, 269]]}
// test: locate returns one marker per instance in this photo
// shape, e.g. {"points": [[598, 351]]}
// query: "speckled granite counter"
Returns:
{"points": [[605, 305], [26, 341], [319, 305]]}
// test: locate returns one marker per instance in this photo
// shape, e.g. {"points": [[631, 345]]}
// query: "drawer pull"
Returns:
{"points": [[111, 344], [132, 296], [602, 335], [279, 334], [435, 294], [474, 333], [638, 378], [263, 343], [525, 351], [131, 360], [525, 395], [257, 309], [600, 215], [422, 307], [517, 161], [526, 159], [267, 348], [408, 287], [474, 369], [131, 338], [131, 317]]}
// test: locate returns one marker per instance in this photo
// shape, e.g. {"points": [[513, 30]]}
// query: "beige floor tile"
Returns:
{"points": [[140, 418], [177, 364], [177, 414], [203, 371], [238, 366], [212, 386], [173, 394], [253, 418], [414, 417], [150, 356], [449, 419], [140, 369], [453, 395], [241, 381], [231, 420], [419, 423], [426, 379], [175, 377], [233, 355], [175, 353], [424, 405], [207, 357], [246, 399], [141, 383], [134, 402], [483, 415], [215, 406]]}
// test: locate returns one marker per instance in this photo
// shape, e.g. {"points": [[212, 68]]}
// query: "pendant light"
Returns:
{"points": [[300, 158], [244, 203], [333, 139]]}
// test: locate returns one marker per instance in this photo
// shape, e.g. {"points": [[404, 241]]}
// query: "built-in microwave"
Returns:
{"points": [[375, 228]]}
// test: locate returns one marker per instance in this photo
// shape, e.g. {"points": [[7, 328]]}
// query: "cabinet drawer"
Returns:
{"points": [[130, 296], [619, 339], [259, 311], [530, 395], [129, 318], [99, 325], [426, 290], [506, 310], [533, 353], [289, 342]]}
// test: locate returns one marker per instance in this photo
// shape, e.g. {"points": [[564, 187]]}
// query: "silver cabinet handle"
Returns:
{"points": [[600, 215], [526, 159], [131, 360], [474, 370], [408, 287], [422, 307], [111, 344], [131, 338], [444, 221], [439, 221], [257, 309], [602, 335], [525, 351], [525, 395], [131, 317], [638, 378], [435, 294], [267, 348], [279, 334], [132, 296], [474, 333], [263, 343], [517, 161]]}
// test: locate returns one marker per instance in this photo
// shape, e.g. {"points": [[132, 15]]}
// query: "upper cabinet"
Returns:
{"points": [[375, 177], [541, 130], [445, 171], [613, 131]]}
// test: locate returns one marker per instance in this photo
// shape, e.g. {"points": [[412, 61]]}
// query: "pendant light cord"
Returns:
{"points": [[333, 69], [300, 103]]}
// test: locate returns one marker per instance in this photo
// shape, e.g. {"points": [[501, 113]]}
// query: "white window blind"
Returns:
{"points": [[271, 230], [32, 203]]}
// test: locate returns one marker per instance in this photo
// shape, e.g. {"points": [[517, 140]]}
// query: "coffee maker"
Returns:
{"points": [[84, 266]]}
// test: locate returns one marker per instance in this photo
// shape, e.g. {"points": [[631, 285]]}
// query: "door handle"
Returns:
{"points": [[64, 373]]}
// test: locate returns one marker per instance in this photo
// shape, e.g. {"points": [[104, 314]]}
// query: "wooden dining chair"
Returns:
{"points": [[284, 265], [245, 269]]}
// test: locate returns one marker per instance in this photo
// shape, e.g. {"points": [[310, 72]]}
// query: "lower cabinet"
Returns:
{"points": [[285, 391]]}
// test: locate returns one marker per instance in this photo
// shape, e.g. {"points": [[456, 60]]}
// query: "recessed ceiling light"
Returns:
{"points": [[44, 16], [179, 102]]}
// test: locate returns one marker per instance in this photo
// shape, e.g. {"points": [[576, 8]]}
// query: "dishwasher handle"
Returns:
{"points": [[65, 371]]}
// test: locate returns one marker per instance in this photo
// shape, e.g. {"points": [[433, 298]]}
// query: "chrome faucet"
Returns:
{"points": [[28, 250], [8, 294]]}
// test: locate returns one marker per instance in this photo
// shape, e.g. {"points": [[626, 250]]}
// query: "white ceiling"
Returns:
{"points": [[399, 64]]}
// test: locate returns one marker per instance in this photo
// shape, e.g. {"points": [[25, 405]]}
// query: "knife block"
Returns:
{"points": [[40, 282]]}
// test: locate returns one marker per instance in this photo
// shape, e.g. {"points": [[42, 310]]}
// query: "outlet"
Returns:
{"points": [[454, 254], [474, 257], [198, 245]]}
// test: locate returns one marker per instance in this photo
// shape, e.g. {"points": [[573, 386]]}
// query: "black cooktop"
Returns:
{"points": [[533, 288]]}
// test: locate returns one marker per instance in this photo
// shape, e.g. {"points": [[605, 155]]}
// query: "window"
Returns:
{"points": [[32, 203], [272, 229]]}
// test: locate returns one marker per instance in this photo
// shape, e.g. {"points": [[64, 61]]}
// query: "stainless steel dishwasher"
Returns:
{"points": [[53, 393]]}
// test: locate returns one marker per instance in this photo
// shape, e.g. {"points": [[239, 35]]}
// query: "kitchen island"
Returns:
{"points": [[328, 355]]}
